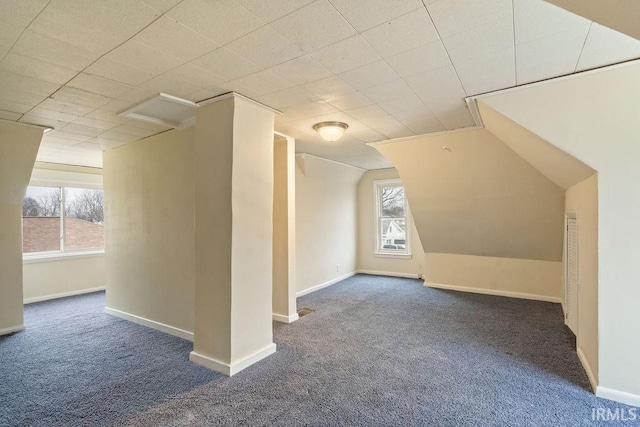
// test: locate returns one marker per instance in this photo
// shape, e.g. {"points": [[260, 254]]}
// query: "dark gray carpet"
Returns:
{"points": [[376, 351]]}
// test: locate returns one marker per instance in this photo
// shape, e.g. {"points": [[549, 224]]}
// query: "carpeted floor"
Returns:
{"points": [[376, 351]]}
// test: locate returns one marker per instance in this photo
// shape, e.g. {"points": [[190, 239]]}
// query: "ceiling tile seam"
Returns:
{"points": [[25, 29], [586, 37], [448, 56], [515, 52]]}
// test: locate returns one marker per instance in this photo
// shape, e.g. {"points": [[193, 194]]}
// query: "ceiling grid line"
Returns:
{"points": [[586, 37]]}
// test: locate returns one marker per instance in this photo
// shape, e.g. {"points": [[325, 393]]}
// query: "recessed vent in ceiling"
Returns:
{"points": [[166, 110]]}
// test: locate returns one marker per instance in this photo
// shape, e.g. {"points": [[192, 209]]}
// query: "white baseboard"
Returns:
{"points": [[495, 292], [325, 284], [235, 367], [388, 273], [63, 294], [285, 319], [12, 330], [171, 330], [587, 367], [618, 396]]}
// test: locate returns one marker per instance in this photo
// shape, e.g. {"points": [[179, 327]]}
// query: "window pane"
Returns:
{"points": [[84, 219], [41, 220], [392, 201], [393, 234]]}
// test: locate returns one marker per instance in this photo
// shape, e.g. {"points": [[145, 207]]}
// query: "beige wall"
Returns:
{"points": [[63, 276], [478, 197], [367, 260], [326, 223], [18, 149], [582, 199], [149, 219], [521, 278], [599, 125]]}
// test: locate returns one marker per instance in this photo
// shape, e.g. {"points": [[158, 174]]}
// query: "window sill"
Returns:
{"points": [[391, 255], [59, 256]]}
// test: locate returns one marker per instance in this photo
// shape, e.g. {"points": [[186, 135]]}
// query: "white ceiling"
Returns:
{"points": [[388, 68]]}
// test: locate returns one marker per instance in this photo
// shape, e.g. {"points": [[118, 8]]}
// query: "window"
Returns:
{"points": [[392, 219], [60, 219]]}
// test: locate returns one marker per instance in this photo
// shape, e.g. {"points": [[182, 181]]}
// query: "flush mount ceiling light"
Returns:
{"points": [[331, 131], [166, 110]]}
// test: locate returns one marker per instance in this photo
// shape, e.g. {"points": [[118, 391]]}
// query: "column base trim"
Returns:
{"points": [[495, 292], [12, 329], [587, 367], [324, 285], [285, 319], [167, 329], [233, 368], [618, 396]]}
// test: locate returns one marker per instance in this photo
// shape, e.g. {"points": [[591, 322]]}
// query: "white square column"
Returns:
{"points": [[233, 234]]}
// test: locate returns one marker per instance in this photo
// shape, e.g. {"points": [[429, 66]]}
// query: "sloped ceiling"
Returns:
{"points": [[471, 194], [388, 68], [560, 167]]}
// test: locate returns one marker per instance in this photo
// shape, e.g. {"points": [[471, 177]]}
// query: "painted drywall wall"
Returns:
{"points": [[367, 260], [60, 276], [520, 278], [621, 15], [582, 199], [594, 117], [472, 195], [234, 232], [326, 220], [64, 276], [149, 220], [18, 149]]}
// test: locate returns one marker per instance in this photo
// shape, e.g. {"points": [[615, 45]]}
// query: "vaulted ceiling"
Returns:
{"points": [[388, 68]]}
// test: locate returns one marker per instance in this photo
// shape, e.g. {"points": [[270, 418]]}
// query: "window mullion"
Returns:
{"points": [[62, 213]]}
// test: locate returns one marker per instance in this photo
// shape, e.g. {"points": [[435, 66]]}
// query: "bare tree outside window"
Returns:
{"points": [[392, 218], [392, 201]]}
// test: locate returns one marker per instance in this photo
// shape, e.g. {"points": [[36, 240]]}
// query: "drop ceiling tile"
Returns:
{"points": [[288, 97], [167, 84], [88, 131], [366, 113], [171, 37], [537, 19], [144, 58], [60, 143], [162, 5], [312, 109], [402, 34], [36, 69], [314, 26], [112, 70], [457, 16], [261, 83], [439, 89], [227, 64], [9, 115], [423, 58], [489, 72], [370, 75], [390, 127], [349, 101], [461, 118], [13, 95], [53, 114], [117, 136], [104, 116], [272, 10], [396, 106], [95, 26], [367, 135], [65, 107], [395, 89], [54, 51], [605, 46], [304, 69], [79, 96], [475, 42], [15, 107], [42, 121], [117, 105], [66, 136], [95, 123], [137, 94], [329, 87], [15, 17], [346, 55], [135, 131], [221, 20], [265, 47], [421, 126], [99, 85], [550, 56], [27, 84], [203, 94], [364, 14]]}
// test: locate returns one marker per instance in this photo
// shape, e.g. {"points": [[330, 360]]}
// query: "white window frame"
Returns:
{"points": [[378, 185], [44, 256]]}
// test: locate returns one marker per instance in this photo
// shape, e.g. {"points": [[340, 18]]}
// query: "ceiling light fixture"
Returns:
{"points": [[331, 131]]}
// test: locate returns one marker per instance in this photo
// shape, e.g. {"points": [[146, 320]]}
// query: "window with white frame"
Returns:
{"points": [[62, 219], [392, 219]]}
